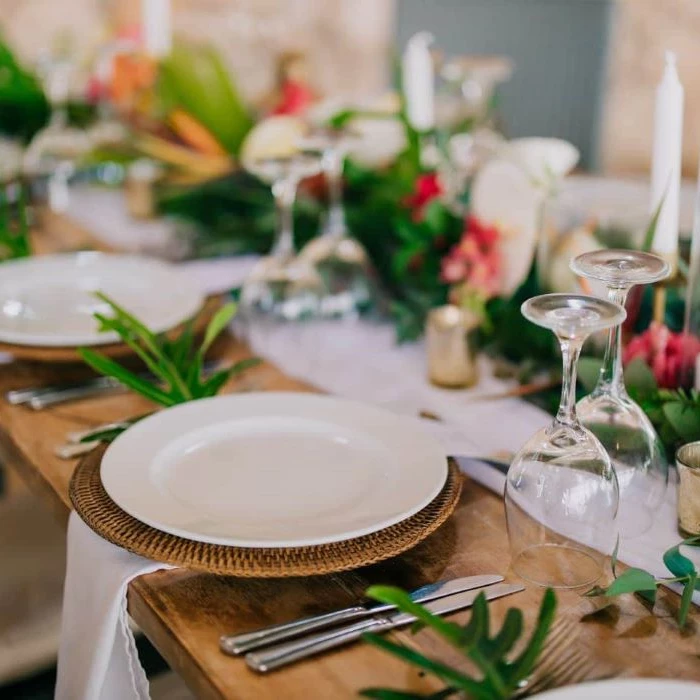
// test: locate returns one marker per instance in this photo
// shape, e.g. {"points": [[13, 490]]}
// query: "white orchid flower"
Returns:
{"points": [[545, 161]]}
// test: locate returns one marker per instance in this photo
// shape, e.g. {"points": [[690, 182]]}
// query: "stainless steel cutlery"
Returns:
{"points": [[43, 397], [242, 643], [286, 653]]}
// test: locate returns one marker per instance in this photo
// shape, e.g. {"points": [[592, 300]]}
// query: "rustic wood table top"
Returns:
{"points": [[183, 613]]}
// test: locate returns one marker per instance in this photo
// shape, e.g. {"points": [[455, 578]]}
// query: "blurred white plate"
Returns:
{"points": [[626, 689], [273, 470], [48, 301]]}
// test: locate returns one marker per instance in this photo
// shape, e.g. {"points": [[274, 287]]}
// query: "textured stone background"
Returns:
{"points": [[348, 43]]}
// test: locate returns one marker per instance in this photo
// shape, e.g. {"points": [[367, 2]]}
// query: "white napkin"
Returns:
{"points": [[97, 657]]}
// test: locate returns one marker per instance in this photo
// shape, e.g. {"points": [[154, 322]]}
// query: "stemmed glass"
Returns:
{"points": [[618, 422], [55, 150], [282, 286], [339, 258], [561, 490]]}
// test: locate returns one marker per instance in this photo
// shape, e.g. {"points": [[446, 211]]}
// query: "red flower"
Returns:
{"points": [[295, 98], [427, 187], [474, 262], [667, 353]]}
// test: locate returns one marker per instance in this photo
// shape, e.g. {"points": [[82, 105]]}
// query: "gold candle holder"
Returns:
{"points": [[139, 188], [688, 464], [451, 355]]}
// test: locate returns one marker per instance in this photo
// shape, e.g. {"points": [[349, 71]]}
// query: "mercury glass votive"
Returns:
{"points": [[451, 356], [688, 463]]}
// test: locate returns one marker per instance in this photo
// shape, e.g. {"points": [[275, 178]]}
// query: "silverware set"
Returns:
{"points": [[273, 647], [39, 398]]}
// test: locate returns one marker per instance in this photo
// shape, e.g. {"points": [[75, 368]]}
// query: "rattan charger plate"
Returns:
{"points": [[97, 509]]}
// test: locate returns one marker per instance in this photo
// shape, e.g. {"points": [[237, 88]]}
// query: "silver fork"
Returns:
{"points": [[561, 662]]}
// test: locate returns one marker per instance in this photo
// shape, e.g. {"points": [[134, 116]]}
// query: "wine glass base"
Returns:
{"points": [[557, 566], [282, 288]]}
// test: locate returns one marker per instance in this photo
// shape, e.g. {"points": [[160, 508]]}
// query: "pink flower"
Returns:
{"points": [[474, 263], [665, 352], [426, 188]]}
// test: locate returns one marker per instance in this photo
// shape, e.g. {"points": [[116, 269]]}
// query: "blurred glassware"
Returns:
{"points": [[139, 187], [468, 84], [339, 258], [561, 490], [55, 150], [619, 423], [283, 286], [10, 159]]}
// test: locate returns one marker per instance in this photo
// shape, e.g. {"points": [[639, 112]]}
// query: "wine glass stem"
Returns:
{"points": [[570, 351], [333, 169], [284, 191], [611, 380]]}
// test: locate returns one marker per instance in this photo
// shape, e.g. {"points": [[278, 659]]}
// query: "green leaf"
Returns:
{"points": [[104, 365], [678, 564], [613, 558], [508, 635], [651, 228], [638, 374], [685, 420], [436, 668], [631, 581], [523, 665], [401, 599], [595, 592], [588, 372], [389, 694], [435, 217], [217, 324], [687, 599]]}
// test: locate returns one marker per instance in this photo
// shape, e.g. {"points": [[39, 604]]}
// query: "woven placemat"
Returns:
{"points": [[99, 511]]}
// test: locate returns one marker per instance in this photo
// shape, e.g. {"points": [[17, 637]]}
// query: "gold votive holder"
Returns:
{"points": [[688, 464], [450, 350], [139, 188]]}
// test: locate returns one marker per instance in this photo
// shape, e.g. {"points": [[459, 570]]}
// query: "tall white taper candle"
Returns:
{"points": [[666, 164], [156, 25], [418, 78]]}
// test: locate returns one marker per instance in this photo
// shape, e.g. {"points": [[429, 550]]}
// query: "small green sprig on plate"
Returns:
{"points": [[499, 678], [176, 364], [644, 584]]}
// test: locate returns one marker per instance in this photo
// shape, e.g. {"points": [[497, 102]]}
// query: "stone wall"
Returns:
{"points": [[642, 30], [347, 41]]}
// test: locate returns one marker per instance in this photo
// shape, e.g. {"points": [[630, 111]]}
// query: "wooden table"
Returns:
{"points": [[183, 613]]}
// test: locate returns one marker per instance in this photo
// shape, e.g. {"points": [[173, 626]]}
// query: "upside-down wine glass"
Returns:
{"points": [[561, 490], [55, 150], [619, 423], [338, 257], [282, 286]]}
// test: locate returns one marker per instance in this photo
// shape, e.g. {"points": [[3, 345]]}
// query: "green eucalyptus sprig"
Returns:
{"points": [[499, 677], [644, 584], [176, 364]]}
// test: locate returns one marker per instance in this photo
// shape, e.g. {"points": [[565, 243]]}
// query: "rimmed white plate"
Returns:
{"points": [[48, 301], [626, 689], [273, 470]]}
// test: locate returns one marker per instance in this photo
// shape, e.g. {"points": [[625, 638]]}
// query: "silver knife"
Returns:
{"points": [[284, 654], [242, 643], [33, 395]]}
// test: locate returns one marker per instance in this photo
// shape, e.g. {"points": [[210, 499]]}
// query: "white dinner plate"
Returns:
{"points": [[273, 470], [626, 689], [48, 301]]}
